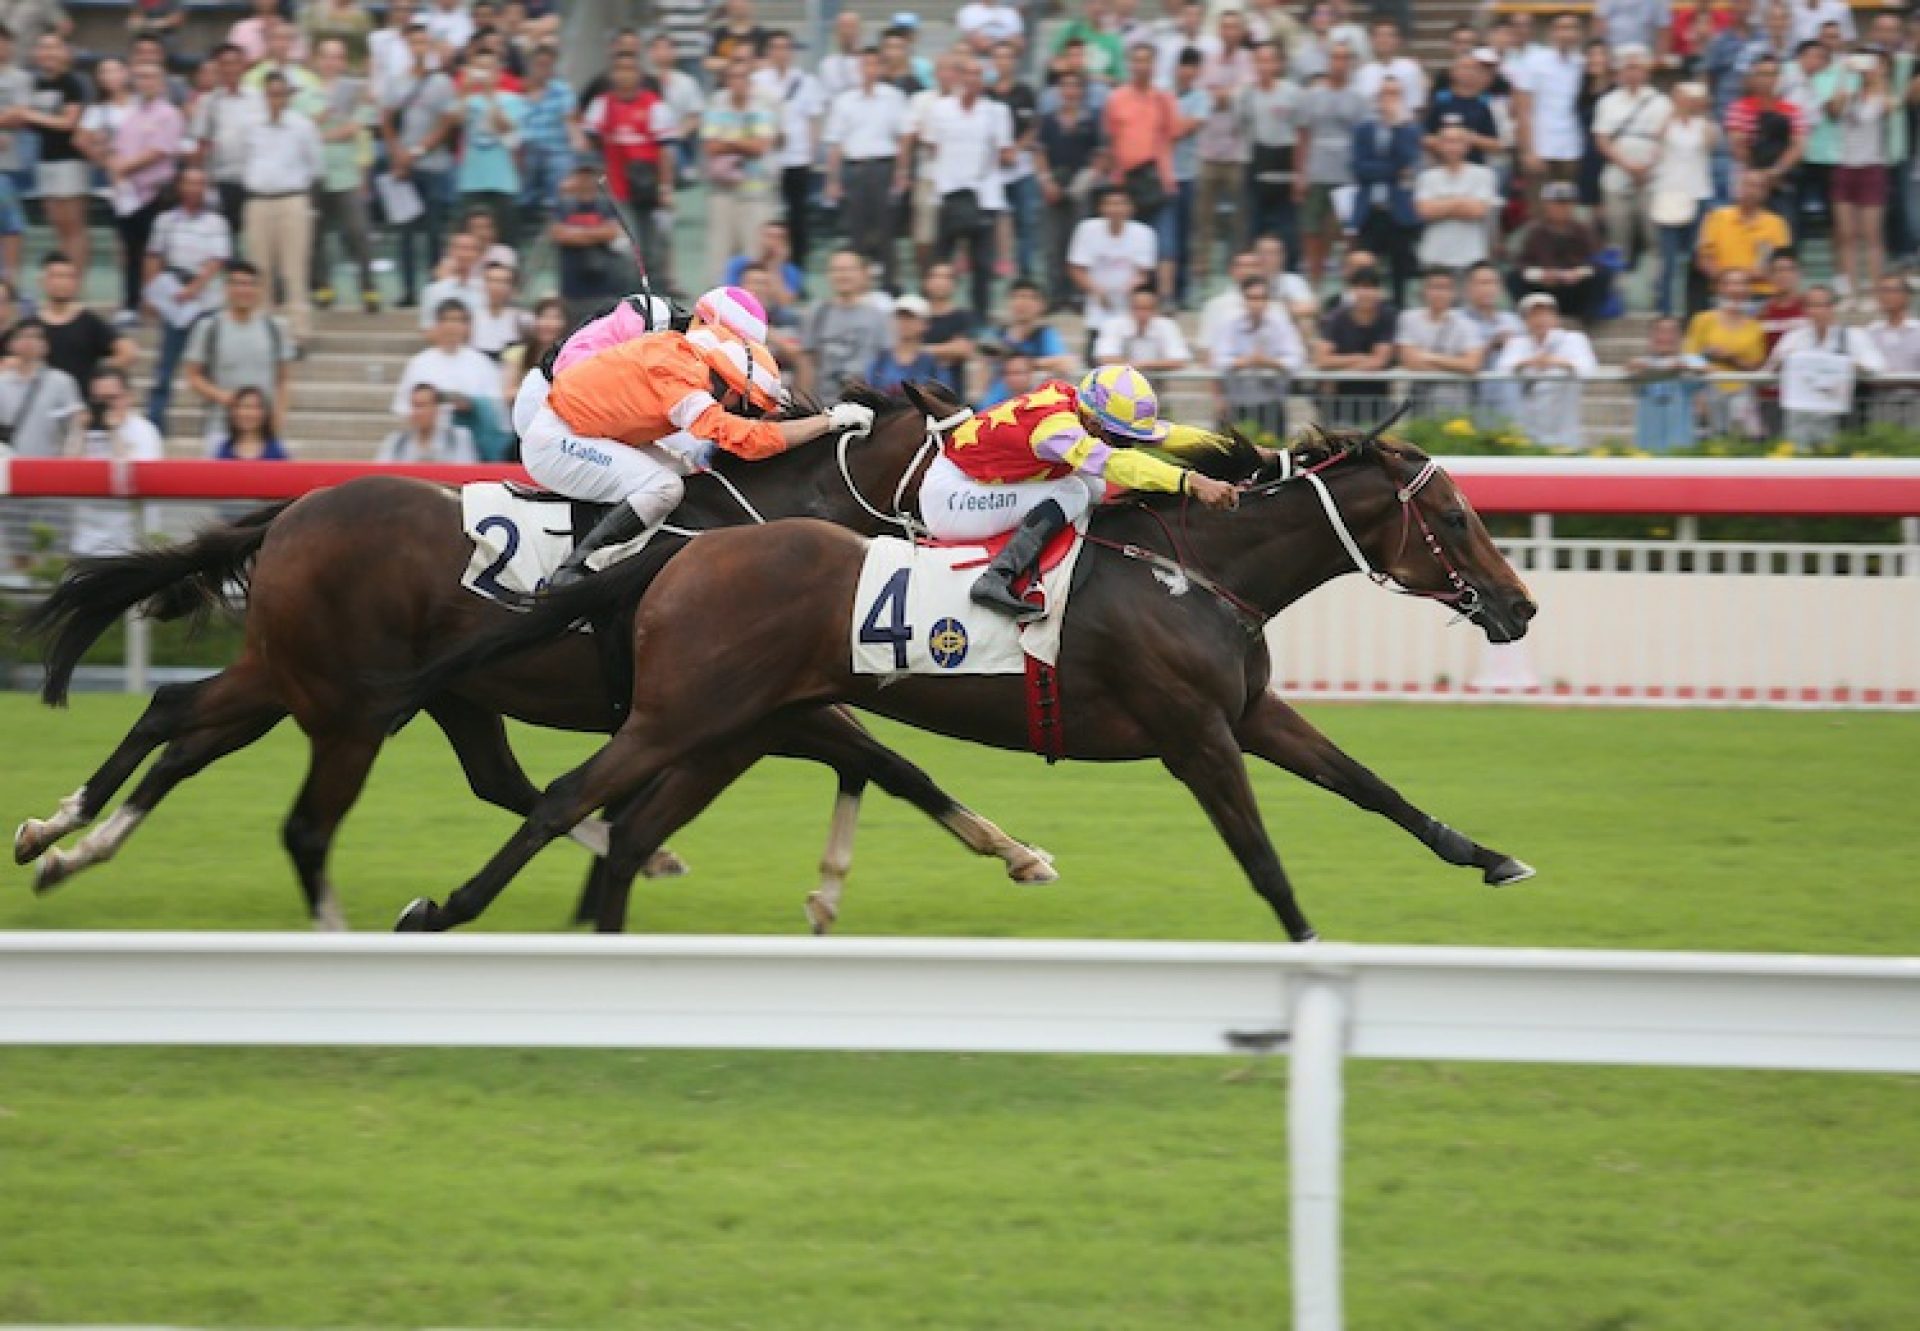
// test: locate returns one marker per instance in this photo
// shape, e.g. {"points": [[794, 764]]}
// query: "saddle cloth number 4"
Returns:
{"points": [[892, 604]]}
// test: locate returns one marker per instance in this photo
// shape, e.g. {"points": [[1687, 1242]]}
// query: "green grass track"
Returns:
{"points": [[786, 1192]]}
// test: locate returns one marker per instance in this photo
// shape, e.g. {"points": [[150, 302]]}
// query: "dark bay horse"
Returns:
{"points": [[363, 579], [1163, 654]]}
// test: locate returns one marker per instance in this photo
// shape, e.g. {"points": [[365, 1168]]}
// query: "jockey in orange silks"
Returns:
{"points": [[1034, 464], [634, 316], [627, 423]]}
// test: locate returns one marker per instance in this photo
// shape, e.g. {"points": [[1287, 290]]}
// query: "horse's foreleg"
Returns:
{"points": [[620, 768], [1210, 765], [184, 757], [169, 713], [1272, 730], [832, 735]]}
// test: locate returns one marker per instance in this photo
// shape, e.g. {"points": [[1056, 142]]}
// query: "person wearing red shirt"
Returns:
{"points": [[631, 124], [1766, 133]]}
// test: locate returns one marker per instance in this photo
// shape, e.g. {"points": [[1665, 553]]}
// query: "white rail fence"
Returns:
{"points": [[1321, 1005]]}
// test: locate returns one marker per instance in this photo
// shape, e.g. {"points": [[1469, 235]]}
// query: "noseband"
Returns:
{"points": [[1460, 594]]}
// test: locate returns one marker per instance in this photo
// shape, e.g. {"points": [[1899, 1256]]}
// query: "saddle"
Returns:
{"points": [[584, 517]]}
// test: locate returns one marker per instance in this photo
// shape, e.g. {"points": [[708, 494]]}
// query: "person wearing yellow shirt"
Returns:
{"points": [[1744, 235], [1728, 337]]}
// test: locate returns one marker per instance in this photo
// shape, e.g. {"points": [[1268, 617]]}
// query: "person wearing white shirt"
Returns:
{"points": [[1546, 91], [1256, 352], [389, 59], [840, 69], [983, 23], [1897, 335], [461, 276], [799, 103], [1389, 63], [1627, 127], [219, 124], [1550, 361], [971, 138], [284, 160], [863, 133], [450, 25], [1809, 16], [110, 428], [429, 434], [1110, 255], [1187, 28], [498, 323], [1819, 364], [1458, 201], [913, 169], [468, 380], [1142, 337]]}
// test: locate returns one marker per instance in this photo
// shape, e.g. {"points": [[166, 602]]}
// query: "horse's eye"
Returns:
{"points": [[1455, 518]]}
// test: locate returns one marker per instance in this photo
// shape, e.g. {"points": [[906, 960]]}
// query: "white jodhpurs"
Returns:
{"points": [[958, 508], [531, 397], [603, 471]]}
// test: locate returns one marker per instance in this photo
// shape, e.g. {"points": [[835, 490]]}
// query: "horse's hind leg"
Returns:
{"points": [[336, 774], [832, 735], [1272, 730], [169, 713], [184, 757]]}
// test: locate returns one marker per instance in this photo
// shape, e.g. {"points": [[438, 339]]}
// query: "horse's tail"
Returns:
{"points": [[170, 583], [548, 616]]}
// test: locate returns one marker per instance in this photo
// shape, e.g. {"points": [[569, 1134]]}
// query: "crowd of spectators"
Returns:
{"points": [[1282, 196]]}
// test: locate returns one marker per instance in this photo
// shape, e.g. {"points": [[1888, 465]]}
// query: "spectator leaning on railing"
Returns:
{"points": [[1438, 338], [1143, 337], [1256, 353], [1666, 389], [1550, 361], [1819, 364], [1728, 337]]}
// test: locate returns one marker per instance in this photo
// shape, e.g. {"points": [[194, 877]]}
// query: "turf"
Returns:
{"points": [[370, 1188]]}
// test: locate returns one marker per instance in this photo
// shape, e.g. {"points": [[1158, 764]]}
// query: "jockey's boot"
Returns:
{"points": [[620, 525], [994, 588]]}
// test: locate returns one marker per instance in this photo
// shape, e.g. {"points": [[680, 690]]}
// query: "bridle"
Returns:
{"points": [[1460, 595], [936, 426]]}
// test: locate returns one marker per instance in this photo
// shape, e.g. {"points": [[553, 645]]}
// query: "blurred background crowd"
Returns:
{"points": [[340, 229]]}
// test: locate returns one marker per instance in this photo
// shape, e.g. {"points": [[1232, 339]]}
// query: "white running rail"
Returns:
{"points": [[1320, 1004]]}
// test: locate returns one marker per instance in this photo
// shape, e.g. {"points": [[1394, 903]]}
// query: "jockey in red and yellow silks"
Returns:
{"points": [[1039, 461], [624, 425]]}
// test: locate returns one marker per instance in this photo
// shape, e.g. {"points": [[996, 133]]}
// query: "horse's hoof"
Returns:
{"points": [[50, 873], [821, 915], [30, 841], [1037, 870], [663, 863], [1308, 937], [420, 917], [1508, 872]]}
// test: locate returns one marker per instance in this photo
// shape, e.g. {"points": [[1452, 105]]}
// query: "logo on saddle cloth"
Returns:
{"points": [[947, 643]]}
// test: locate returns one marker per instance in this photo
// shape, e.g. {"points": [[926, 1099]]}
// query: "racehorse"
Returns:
{"points": [[363, 579], [1163, 653]]}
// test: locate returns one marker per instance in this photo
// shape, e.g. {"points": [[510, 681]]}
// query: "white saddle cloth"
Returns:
{"points": [[518, 541], [912, 614]]}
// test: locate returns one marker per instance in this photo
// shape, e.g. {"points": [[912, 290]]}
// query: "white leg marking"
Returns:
{"points": [[1025, 864], [594, 834], [663, 863], [327, 915], [35, 835], [836, 862], [97, 847]]}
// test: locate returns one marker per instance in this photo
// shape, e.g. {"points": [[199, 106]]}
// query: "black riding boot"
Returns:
{"points": [[620, 525], [994, 588]]}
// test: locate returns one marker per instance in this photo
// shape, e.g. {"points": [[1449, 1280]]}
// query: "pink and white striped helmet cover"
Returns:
{"points": [[622, 323], [734, 309]]}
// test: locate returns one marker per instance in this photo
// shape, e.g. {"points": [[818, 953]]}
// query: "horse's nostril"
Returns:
{"points": [[1523, 610]]}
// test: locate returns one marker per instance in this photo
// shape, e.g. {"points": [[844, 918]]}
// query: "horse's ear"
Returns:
{"points": [[919, 399]]}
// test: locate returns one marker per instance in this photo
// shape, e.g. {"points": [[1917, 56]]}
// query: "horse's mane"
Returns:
{"points": [[802, 405], [1316, 447]]}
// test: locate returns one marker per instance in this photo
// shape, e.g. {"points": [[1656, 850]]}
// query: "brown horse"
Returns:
{"points": [[1163, 654], [364, 579]]}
